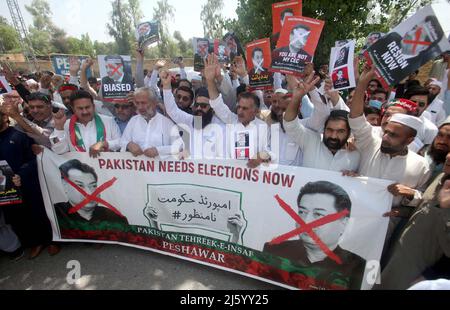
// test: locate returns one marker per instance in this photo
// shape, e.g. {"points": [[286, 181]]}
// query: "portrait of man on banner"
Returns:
{"points": [[79, 181], [319, 247]]}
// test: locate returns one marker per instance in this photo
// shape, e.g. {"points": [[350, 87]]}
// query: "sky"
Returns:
{"points": [[77, 17]]}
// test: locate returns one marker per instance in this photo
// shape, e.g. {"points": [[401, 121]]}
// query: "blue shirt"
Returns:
{"points": [[122, 124]]}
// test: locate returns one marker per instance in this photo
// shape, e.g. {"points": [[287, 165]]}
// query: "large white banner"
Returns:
{"points": [[294, 227]]}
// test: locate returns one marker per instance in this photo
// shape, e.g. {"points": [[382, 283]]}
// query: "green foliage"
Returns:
{"points": [[344, 19], [162, 13], [185, 47], [212, 19], [121, 26], [9, 41]]}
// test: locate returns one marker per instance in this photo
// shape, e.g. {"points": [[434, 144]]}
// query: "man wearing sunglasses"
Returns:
{"points": [[124, 111], [201, 122]]}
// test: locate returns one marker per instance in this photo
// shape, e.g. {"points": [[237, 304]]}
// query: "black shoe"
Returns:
{"points": [[17, 254]]}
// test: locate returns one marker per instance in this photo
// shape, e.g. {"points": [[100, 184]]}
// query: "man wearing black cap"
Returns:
{"points": [[201, 122]]}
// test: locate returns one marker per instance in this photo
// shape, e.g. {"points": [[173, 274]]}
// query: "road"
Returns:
{"points": [[114, 267]]}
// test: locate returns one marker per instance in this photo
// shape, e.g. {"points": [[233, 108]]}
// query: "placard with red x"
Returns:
{"points": [[93, 197], [417, 41], [308, 228], [115, 69]]}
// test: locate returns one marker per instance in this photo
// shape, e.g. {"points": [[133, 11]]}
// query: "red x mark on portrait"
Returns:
{"points": [[308, 228], [417, 41], [93, 197], [115, 69]]}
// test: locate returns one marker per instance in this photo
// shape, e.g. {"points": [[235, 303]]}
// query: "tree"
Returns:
{"points": [[136, 12], [212, 19], [344, 19], [184, 46], [45, 36], [162, 13], [8, 37], [121, 26], [101, 48]]}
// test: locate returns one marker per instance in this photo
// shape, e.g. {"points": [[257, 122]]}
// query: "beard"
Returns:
{"points": [[390, 149], [334, 144], [206, 117], [277, 119], [438, 156]]}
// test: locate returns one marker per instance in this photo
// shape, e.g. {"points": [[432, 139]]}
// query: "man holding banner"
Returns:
{"points": [[85, 130]]}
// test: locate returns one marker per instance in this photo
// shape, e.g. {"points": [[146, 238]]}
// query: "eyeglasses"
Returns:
{"points": [[201, 105], [122, 106], [183, 98]]}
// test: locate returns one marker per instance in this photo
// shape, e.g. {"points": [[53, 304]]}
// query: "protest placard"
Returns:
{"points": [[234, 45], [258, 61], [280, 11], [202, 48], [4, 85], [263, 223], [61, 64], [342, 66], [297, 44], [117, 79], [147, 33], [9, 194], [222, 51], [413, 43]]}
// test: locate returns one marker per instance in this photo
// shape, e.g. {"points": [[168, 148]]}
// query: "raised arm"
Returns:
{"points": [[357, 108], [139, 68], [300, 88], [212, 73], [83, 78], [174, 112]]}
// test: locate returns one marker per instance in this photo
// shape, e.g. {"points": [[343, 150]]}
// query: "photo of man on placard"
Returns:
{"points": [[115, 69], [342, 58], [340, 78], [294, 54], [317, 200]]}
